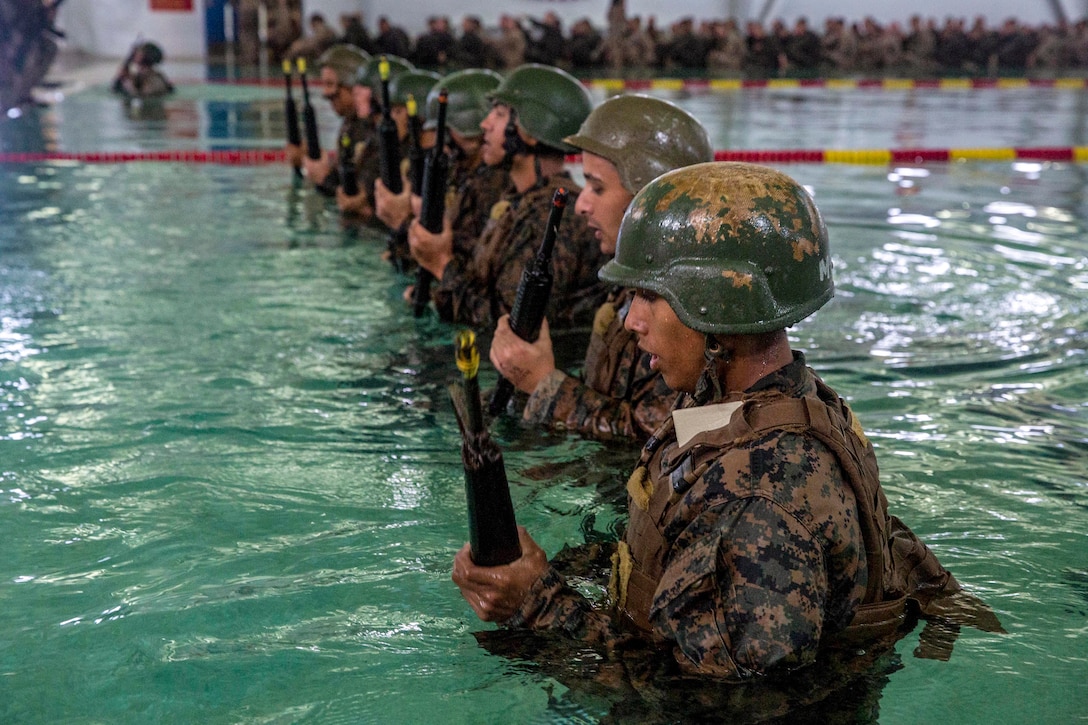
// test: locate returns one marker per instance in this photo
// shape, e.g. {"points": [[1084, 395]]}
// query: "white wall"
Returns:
{"points": [[109, 27]]}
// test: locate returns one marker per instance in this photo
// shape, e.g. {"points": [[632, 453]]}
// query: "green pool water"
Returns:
{"points": [[230, 485]]}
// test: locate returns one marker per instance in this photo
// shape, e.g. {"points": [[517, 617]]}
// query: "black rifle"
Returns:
{"points": [[492, 528], [349, 182], [309, 118], [534, 290], [290, 112], [388, 141], [416, 155], [436, 168]]}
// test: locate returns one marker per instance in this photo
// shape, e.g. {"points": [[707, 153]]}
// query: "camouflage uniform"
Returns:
{"points": [[620, 395], [479, 290], [744, 553], [359, 130], [472, 191], [477, 187]]}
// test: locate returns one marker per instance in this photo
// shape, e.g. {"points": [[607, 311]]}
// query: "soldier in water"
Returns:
{"points": [[626, 142], [759, 533]]}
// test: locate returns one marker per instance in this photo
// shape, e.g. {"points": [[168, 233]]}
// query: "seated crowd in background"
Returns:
{"points": [[920, 46]]}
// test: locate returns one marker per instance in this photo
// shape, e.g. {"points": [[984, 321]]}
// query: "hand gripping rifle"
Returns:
{"points": [[493, 534], [388, 142], [436, 168], [532, 299], [309, 118], [290, 112]]}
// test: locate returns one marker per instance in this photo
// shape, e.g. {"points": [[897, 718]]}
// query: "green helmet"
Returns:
{"points": [[643, 137], [467, 102], [369, 73], [152, 53], [345, 59], [734, 248], [416, 83], [550, 103]]}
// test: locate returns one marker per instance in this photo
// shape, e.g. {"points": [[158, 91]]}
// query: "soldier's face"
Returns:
{"points": [[344, 104], [361, 96], [676, 350], [603, 200], [330, 84], [337, 95], [469, 145], [494, 128]]}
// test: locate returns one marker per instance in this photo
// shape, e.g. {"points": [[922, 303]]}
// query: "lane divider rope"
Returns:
{"points": [[848, 84], [733, 84], [245, 157], [255, 157]]}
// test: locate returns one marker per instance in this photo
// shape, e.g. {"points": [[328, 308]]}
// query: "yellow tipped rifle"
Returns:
{"points": [[388, 138], [493, 534], [290, 112], [349, 182], [534, 291], [416, 155], [309, 118], [436, 168]]}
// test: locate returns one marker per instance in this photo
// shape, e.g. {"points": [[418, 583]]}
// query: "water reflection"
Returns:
{"points": [[227, 449]]}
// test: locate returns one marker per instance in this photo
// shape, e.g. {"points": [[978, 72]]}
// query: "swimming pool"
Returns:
{"points": [[231, 487]]}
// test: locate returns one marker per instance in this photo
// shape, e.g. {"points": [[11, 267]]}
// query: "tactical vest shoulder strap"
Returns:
{"points": [[814, 416]]}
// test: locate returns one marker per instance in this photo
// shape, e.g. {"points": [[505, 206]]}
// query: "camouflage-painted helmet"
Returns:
{"points": [[551, 103], [734, 248], [416, 83], [643, 137], [468, 100], [344, 59], [369, 73]]}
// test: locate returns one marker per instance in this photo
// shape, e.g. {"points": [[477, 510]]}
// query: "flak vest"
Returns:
{"points": [[900, 567]]}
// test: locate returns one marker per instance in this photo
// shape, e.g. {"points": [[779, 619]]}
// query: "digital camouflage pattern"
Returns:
{"points": [[479, 290], [761, 552], [735, 248], [474, 187], [620, 396], [362, 133], [477, 188]]}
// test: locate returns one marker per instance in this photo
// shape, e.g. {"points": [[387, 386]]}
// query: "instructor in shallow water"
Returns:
{"points": [[759, 532]]}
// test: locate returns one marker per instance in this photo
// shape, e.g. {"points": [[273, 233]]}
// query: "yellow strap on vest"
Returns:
{"points": [[605, 314], [621, 575], [855, 425], [640, 487]]}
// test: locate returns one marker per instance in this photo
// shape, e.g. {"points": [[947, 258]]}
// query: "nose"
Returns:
{"points": [[636, 316], [581, 204], [485, 124]]}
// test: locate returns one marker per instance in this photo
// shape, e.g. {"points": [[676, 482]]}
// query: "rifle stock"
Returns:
{"points": [[534, 291], [436, 168], [493, 534]]}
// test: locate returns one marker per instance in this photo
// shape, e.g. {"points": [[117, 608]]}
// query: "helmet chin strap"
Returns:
{"points": [[512, 143], [709, 387]]}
